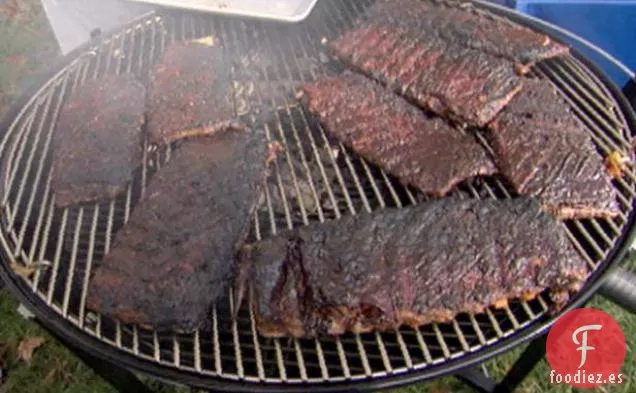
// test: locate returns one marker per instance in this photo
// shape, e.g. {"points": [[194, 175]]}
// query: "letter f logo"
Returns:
{"points": [[584, 347]]}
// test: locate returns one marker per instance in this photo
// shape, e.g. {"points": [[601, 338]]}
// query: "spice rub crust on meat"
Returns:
{"points": [[174, 256], [190, 93], [410, 266], [97, 142], [421, 151], [450, 80], [544, 151], [468, 28]]}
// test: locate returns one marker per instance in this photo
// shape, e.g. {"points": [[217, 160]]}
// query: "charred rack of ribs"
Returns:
{"points": [[462, 83], [448, 60], [544, 151], [410, 266], [380, 126], [173, 258], [190, 93], [97, 140], [467, 28]]}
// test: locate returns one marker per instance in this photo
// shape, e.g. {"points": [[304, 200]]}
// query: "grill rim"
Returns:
{"points": [[74, 337]]}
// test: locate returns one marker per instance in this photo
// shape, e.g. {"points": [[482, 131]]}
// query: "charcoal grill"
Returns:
{"points": [[315, 181]]}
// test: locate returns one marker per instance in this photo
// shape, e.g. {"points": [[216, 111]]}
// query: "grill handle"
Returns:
{"points": [[620, 288]]}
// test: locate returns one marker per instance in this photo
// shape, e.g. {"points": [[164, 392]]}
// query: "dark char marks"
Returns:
{"points": [[410, 266], [174, 256], [461, 83], [544, 150], [469, 29]]}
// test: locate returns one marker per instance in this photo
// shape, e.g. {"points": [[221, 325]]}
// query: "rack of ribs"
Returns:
{"points": [[174, 256], [412, 266], [543, 150], [470, 29], [451, 80], [97, 141], [385, 129], [189, 93]]}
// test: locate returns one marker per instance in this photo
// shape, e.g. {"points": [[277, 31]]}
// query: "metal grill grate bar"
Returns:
{"points": [[43, 245], [257, 348], [27, 170], [593, 120], [71, 268], [480, 335], [22, 135]]}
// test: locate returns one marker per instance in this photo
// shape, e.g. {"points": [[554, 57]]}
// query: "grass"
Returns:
{"points": [[55, 369], [26, 44]]}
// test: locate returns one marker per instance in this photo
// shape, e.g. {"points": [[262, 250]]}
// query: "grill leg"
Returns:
{"points": [[477, 379], [524, 365], [119, 378]]}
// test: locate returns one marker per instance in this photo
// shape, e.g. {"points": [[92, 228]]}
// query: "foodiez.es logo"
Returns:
{"points": [[585, 349]]}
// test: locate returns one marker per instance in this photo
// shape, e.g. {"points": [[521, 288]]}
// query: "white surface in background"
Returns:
{"points": [[283, 10], [73, 20]]}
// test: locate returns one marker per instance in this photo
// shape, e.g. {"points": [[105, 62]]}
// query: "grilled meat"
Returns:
{"points": [[174, 255], [448, 79], [544, 151], [97, 140], [421, 264], [469, 29], [190, 93], [423, 152]]}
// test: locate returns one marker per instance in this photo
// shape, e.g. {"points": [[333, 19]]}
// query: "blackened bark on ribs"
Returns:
{"points": [[544, 150], [469, 29], [453, 81], [97, 140], [411, 266], [190, 93], [174, 256], [382, 127]]}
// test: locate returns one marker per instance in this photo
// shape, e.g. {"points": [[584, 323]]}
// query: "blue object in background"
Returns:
{"points": [[608, 24]]}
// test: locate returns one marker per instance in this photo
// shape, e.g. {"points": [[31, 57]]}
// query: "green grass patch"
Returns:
{"points": [[53, 368]]}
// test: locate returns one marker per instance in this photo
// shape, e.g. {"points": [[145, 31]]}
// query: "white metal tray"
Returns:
{"points": [[281, 10]]}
